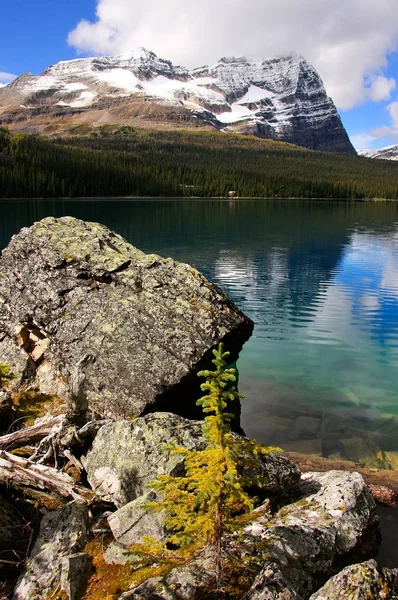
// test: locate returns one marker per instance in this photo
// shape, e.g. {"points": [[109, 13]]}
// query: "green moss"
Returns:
{"points": [[108, 581], [31, 405], [5, 374]]}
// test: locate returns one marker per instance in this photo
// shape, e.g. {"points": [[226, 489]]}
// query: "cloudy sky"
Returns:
{"points": [[352, 43]]}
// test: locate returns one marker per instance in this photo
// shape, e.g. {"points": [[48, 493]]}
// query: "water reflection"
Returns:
{"points": [[320, 281]]}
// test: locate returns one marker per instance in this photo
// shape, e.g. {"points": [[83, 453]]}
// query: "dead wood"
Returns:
{"points": [[30, 435], [18, 472]]}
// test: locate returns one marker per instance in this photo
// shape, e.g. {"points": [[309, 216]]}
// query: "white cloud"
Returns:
{"points": [[363, 141], [6, 78], [392, 131], [347, 40], [380, 88]]}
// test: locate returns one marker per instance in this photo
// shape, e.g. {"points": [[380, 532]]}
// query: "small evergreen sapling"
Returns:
{"points": [[210, 500]]}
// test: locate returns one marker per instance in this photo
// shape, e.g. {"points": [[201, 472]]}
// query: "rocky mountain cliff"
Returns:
{"points": [[388, 153], [283, 98]]}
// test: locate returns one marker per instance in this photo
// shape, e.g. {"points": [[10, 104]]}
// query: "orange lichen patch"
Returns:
{"points": [[31, 405], [109, 581], [200, 306]]}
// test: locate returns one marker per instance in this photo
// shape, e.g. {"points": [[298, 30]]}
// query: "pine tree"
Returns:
{"points": [[208, 502]]}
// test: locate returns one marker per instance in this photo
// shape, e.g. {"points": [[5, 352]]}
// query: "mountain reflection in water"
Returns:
{"points": [[320, 281]]}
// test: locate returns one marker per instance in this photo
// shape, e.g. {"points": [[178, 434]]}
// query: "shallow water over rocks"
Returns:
{"points": [[320, 281]]}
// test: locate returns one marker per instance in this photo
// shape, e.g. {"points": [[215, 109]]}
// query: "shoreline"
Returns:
{"points": [[140, 198], [371, 475]]}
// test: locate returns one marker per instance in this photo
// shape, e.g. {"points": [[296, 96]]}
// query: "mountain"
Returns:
{"points": [[388, 153], [283, 99]]}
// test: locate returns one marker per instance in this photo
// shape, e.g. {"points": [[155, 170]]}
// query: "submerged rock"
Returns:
{"points": [[62, 533], [88, 316], [361, 582], [127, 455]]}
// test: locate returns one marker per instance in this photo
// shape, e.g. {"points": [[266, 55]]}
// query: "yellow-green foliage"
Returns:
{"points": [[31, 405], [210, 500], [5, 374]]}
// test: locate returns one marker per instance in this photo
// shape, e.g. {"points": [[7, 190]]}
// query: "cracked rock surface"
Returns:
{"points": [[86, 315]]}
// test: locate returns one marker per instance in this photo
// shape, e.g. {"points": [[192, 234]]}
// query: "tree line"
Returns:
{"points": [[133, 162]]}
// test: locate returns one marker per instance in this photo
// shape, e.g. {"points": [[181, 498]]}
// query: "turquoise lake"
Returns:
{"points": [[320, 281]]}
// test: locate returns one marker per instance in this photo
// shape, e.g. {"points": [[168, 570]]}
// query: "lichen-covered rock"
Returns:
{"points": [[361, 582], [87, 315], [340, 501], [127, 455], [329, 521], [133, 521], [62, 533], [181, 583], [280, 583]]}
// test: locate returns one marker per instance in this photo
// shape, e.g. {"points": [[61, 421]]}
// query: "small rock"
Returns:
{"points": [[127, 455], [116, 554], [279, 583], [62, 532], [131, 522], [182, 583], [74, 574], [361, 582], [383, 495]]}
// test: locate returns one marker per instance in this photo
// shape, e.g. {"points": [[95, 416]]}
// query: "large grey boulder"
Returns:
{"points": [[361, 582], [330, 521], [127, 455], [88, 316], [62, 533]]}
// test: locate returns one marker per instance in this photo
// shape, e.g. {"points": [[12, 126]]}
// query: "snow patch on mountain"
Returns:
{"points": [[386, 153], [283, 98], [237, 113]]}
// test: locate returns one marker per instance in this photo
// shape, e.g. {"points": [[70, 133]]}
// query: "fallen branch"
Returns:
{"points": [[16, 472], [30, 435]]}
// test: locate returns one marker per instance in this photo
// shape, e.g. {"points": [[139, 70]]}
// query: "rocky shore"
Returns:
{"points": [[103, 345]]}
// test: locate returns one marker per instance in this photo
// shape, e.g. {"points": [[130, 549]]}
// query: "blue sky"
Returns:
{"points": [[352, 43]]}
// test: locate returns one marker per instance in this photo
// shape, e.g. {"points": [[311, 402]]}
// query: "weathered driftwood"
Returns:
{"points": [[19, 472], [30, 435]]}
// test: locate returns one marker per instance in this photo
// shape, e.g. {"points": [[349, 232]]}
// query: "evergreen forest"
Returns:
{"points": [[111, 162]]}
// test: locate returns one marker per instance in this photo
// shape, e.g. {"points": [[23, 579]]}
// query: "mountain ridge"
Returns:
{"points": [[282, 98], [386, 153]]}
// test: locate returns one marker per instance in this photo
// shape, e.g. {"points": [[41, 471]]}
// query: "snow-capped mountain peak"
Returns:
{"points": [[387, 153], [282, 98]]}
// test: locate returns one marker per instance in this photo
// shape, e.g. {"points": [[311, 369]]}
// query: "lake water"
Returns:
{"points": [[320, 281]]}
